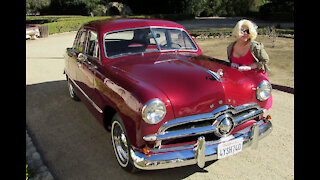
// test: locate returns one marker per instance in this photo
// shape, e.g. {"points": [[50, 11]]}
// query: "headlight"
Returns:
{"points": [[263, 90], [154, 111]]}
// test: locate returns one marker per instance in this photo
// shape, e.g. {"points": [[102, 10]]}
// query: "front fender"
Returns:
{"points": [[128, 95]]}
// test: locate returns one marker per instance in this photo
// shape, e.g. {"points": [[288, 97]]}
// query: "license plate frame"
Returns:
{"points": [[229, 148]]}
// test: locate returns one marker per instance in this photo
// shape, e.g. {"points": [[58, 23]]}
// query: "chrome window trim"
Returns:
{"points": [[89, 99], [146, 27]]}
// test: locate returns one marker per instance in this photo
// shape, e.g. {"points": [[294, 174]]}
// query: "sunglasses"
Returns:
{"points": [[245, 30]]}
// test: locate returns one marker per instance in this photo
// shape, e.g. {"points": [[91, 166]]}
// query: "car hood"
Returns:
{"points": [[184, 79]]}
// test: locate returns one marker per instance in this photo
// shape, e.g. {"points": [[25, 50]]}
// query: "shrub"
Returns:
{"points": [[99, 10]]}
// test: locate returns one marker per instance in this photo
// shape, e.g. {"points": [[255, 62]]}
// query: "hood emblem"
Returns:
{"points": [[224, 124]]}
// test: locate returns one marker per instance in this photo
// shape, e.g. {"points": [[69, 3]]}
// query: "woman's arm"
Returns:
{"points": [[255, 65], [261, 55]]}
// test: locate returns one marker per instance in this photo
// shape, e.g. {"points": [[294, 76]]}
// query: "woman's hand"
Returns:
{"points": [[247, 68], [254, 65], [244, 68]]}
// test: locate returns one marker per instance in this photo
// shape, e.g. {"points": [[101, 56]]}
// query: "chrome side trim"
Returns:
{"points": [[89, 99]]}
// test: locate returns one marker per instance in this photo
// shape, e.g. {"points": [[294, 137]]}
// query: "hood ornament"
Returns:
{"points": [[220, 72], [212, 73], [215, 74]]}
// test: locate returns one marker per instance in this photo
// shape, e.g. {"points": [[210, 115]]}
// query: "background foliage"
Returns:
{"points": [[266, 9], [59, 20]]}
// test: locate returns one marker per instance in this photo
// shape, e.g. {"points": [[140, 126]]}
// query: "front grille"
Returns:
{"points": [[191, 125], [190, 139], [188, 129]]}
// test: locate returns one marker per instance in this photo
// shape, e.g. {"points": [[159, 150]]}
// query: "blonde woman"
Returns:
{"points": [[247, 54]]}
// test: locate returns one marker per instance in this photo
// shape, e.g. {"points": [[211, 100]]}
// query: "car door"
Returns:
{"points": [[71, 62], [95, 68], [80, 66], [86, 63]]}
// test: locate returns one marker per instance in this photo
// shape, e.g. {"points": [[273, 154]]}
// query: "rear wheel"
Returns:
{"points": [[72, 94], [121, 144]]}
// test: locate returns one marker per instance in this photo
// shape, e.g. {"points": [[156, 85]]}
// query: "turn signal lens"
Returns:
{"points": [[268, 117], [146, 150]]}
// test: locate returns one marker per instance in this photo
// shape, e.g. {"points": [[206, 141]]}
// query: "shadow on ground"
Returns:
{"points": [[71, 141]]}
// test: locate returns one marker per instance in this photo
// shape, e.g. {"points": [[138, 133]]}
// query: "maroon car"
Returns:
{"points": [[166, 104]]}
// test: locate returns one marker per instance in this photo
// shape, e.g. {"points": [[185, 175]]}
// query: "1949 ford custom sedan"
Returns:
{"points": [[165, 103]]}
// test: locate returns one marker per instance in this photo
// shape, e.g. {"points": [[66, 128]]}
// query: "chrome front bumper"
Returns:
{"points": [[200, 152]]}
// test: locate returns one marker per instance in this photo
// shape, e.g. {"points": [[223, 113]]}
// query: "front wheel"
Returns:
{"points": [[121, 144]]}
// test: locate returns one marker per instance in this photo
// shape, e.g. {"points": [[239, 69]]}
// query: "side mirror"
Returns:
{"points": [[81, 57]]}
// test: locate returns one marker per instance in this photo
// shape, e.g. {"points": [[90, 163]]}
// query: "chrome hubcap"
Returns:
{"points": [[120, 145], [71, 91]]}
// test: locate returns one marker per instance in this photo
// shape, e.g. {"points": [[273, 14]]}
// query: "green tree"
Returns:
{"points": [[229, 7], [195, 7], [34, 6]]}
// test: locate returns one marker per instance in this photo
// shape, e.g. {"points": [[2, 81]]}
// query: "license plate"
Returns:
{"points": [[230, 148]]}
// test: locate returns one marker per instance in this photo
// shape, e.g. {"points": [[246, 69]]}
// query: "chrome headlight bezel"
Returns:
{"points": [[263, 90], [153, 111]]}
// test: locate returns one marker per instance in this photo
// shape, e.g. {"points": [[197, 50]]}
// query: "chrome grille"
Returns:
{"points": [[187, 128]]}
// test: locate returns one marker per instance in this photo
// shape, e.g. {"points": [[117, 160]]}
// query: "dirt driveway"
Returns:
{"points": [[74, 146]]}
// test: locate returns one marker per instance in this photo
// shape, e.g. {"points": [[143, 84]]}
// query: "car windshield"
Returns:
{"points": [[144, 40]]}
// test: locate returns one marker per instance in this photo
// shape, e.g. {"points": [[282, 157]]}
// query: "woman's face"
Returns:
{"points": [[245, 33]]}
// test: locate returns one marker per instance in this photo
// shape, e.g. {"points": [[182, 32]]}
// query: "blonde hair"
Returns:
{"points": [[237, 33]]}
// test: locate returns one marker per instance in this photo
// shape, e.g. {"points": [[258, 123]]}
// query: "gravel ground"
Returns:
{"points": [[34, 160]]}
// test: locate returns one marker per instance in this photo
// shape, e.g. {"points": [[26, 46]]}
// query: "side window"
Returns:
{"points": [[92, 45], [80, 42]]}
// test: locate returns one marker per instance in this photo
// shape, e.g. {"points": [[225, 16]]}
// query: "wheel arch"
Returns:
{"points": [[108, 112]]}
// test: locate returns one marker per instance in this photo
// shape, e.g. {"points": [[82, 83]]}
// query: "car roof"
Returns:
{"points": [[108, 25]]}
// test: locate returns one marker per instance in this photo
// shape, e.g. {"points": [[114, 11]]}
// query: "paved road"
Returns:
{"points": [[74, 146]]}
